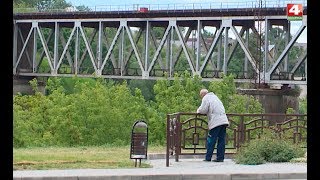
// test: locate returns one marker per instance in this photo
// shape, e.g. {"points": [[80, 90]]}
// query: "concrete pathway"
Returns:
{"points": [[185, 169]]}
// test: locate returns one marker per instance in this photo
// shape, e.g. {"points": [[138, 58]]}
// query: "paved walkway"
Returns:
{"points": [[188, 169]]}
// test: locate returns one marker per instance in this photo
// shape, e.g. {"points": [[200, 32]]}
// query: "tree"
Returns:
{"points": [[45, 5], [146, 87], [42, 5], [83, 8]]}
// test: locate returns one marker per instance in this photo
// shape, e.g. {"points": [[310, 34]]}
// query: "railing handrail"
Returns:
{"points": [[176, 6], [240, 114], [241, 131]]}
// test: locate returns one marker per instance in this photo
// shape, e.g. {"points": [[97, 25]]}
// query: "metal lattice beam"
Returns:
{"points": [[145, 53]]}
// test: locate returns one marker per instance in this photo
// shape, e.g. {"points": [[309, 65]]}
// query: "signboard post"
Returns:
{"points": [[294, 12]]}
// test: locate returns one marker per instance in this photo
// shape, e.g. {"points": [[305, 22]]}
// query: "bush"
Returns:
{"points": [[249, 155], [268, 149]]}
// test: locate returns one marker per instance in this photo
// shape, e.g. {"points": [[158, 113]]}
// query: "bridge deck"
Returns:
{"points": [[155, 13]]}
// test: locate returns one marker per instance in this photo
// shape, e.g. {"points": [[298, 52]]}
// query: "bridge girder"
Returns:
{"points": [[129, 48]]}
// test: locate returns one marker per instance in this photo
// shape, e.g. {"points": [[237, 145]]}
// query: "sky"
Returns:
{"points": [[162, 4]]}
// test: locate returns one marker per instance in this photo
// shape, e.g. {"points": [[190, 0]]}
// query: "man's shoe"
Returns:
{"points": [[217, 160], [206, 160]]}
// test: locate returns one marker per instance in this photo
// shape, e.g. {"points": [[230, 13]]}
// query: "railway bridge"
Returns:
{"points": [[254, 41]]}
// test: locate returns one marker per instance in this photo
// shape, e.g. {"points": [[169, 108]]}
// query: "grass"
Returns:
{"points": [[103, 157], [106, 157]]}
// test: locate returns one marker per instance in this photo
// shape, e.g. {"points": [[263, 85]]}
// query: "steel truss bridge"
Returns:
{"points": [[130, 44]]}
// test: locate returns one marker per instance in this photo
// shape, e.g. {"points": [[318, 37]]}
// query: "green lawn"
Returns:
{"points": [[77, 157], [105, 157]]}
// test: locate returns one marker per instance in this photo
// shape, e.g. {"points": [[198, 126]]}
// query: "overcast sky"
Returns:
{"points": [[295, 25]]}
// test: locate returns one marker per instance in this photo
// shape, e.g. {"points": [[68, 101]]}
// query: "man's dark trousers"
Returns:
{"points": [[216, 134]]}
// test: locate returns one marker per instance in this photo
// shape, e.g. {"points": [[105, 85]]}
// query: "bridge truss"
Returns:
{"points": [[158, 44]]}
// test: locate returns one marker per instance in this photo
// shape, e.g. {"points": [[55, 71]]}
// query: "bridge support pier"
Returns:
{"points": [[22, 85], [274, 100]]}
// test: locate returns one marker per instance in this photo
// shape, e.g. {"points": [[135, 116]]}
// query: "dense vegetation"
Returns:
{"points": [[100, 111]]}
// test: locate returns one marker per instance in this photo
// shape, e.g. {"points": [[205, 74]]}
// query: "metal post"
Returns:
{"points": [[226, 37], [245, 57], [177, 138], [99, 48], [241, 132], [168, 140], [34, 54], [286, 58], [198, 46], [266, 47], [56, 53], [121, 51], [146, 47], [170, 52], [219, 53], [76, 50], [15, 44]]}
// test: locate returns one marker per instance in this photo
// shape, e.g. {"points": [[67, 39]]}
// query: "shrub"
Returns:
{"points": [[268, 148], [249, 155]]}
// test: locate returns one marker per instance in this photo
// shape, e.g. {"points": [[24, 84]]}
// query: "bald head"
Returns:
{"points": [[203, 92]]}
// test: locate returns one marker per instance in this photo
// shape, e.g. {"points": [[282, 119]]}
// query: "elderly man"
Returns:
{"points": [[212, 106]]}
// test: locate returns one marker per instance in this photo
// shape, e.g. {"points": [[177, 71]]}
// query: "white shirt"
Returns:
{"points": [[212, 106]]}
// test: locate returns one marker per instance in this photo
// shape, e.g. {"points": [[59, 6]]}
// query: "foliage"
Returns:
{"points": [[179, 95], [290, 111], [244, 104], [268, 148], [234, 103], [21, 7], [29, 119], [45, 5], [146, 87], [29, 3], [224, 89], [41, 5], [303, 106], [85, 111], [93, 115], [34, 85], [68, 84], [83, 8], [246, 85]]}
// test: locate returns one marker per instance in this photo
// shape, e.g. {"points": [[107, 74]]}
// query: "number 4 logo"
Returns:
{"points": [[294, 10]]}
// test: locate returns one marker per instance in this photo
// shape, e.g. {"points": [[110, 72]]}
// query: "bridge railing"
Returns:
{"points": [[187, 132], [177, 6]]}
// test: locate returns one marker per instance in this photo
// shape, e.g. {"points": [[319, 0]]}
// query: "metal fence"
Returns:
{"points": [[187, 132], [175, 6]]}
